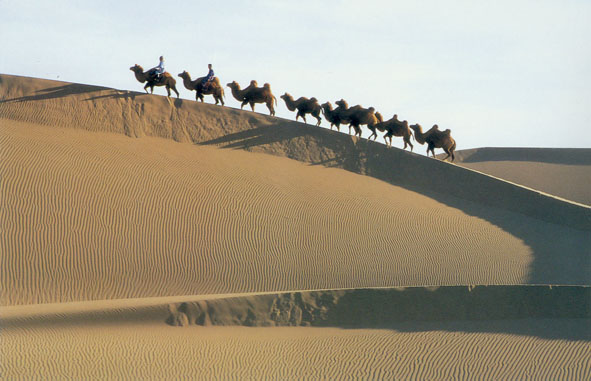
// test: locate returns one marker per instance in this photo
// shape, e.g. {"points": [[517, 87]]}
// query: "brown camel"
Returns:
{"points": [[358, 116], [214, 88], [343, 114], [253, 94], [165, 80], [394, 127], [304, 106], [331, 115], [435, 139]]}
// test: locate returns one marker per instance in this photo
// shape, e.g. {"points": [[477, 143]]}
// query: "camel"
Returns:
{"points": [[165, 80], [343, 113], [253, 94], [435, 139], [215, 88], [304, 106], [331, 115], [358, 116], [394, 127]]}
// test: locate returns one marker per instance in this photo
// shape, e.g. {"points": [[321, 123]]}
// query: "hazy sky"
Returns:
{"points": [[513, 73]]}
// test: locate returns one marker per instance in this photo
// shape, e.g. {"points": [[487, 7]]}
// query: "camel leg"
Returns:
{"points": [[146, 87], [271, 108], [319, 120], [244, 103], [251, 105], [175, 90], [407, 141], [168, 90], [449, 154]]}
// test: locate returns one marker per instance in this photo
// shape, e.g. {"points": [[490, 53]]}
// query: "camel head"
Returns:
{"points": [[286, 97], [185, 75], [136, 68], [233, 85], [417, 128], [326, 106]]}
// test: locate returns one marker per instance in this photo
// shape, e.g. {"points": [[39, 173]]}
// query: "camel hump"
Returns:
{"points": [[267, 86]]}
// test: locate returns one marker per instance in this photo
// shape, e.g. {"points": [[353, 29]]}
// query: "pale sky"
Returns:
{"points": [[506, 73]]}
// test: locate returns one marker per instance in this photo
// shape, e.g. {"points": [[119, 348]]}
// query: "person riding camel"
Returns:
{"points": [[157, 71], [208, 78]]}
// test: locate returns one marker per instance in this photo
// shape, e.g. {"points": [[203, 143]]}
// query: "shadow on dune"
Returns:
{"points": [[118, 95], [57, 92], [492, 309]]}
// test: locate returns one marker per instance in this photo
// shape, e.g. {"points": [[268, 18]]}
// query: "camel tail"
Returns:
{"points": [[275, 100]]}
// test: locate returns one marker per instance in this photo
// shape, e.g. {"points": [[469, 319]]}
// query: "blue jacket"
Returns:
{"points": [[209, 76]]}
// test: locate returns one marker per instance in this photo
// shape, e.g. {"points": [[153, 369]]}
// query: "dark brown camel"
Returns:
{"points": [[343, 114], [359, 116], [394, 127], [331, 115], [165, 80], [253, 94], [214, 88], [435, 139], [304, 106]]}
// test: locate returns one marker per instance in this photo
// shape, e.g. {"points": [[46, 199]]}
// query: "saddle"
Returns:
{"points": [[154, 77]]}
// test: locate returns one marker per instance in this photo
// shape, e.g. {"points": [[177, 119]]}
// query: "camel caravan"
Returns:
{"points": [[354, 117]]}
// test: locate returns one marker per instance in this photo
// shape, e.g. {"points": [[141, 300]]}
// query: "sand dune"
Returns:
{"points": [[563, 172], [112, 198]]}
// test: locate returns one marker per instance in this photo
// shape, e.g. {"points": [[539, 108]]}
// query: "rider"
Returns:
{"points": [[208, 78], [157, 71]]}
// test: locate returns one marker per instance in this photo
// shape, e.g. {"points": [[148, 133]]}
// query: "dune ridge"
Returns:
{"points": [[345, 308], [135, 114]]}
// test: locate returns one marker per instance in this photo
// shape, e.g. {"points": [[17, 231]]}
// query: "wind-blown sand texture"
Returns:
{"points": [[111, 198]]}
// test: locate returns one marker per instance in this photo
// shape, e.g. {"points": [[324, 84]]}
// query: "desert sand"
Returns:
{"points": [[156, 238]]}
